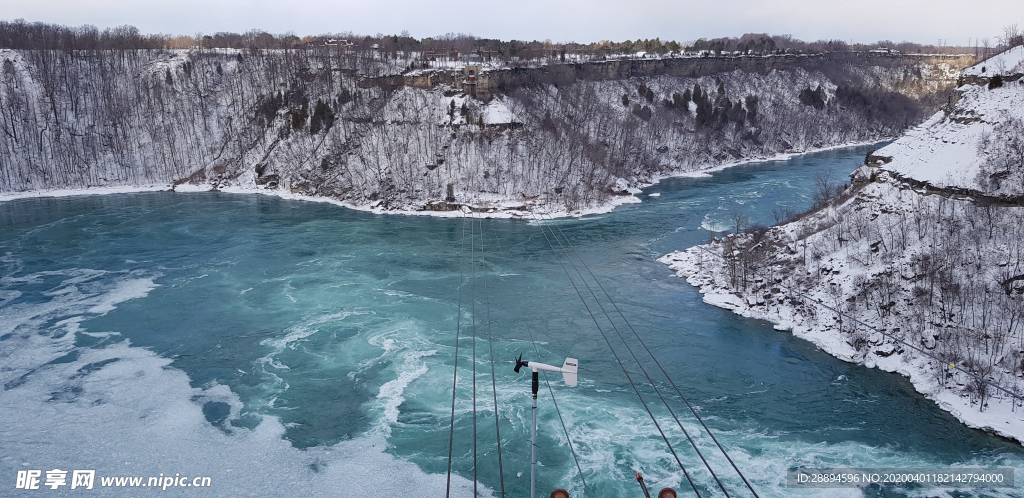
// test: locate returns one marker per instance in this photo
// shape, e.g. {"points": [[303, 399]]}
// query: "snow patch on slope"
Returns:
{"points": [[943, 151]]}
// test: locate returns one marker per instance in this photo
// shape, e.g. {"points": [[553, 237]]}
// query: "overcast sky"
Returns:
{"points": [[922, 21]]}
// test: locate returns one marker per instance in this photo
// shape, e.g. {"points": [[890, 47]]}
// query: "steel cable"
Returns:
{"points": [[490, 347], [551, 391], [618, 360], [455, 371], [663, 371], [630, 349]]}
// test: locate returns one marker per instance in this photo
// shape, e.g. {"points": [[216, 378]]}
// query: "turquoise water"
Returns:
{"points": [[337, 328]]}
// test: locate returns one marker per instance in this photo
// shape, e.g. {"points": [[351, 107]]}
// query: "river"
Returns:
{"points": [[284, 347]]}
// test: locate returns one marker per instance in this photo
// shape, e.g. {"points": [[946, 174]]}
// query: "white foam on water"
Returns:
{"points": [[289, 340], [7, 296], [136, 416], [298, 334], [390, 396], [397, 293], [124, 291], [406, 347], [294, 336], [714, 225], [123, 411]]}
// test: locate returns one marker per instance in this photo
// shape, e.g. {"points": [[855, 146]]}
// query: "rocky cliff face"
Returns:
{"points": [[317, 123], [975, 146], [502, 80]]}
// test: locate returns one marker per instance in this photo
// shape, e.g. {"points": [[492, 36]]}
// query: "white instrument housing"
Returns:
{"points": [[568, 369]]}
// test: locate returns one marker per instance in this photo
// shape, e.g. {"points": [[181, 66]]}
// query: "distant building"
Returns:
{"points": [[473, 79], [441, 55], [487, 55], [334, 42], [471, 72]]}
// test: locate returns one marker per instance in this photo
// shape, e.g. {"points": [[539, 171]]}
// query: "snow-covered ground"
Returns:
{"points": [[944, 151], [312, 123], [808, 314], [892, 275], [488, 205]]}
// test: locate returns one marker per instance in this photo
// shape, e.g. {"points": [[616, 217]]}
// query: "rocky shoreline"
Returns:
{"points": [[799, 313]]}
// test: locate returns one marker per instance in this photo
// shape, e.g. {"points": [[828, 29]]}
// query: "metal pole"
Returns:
{"points": [[643, 486], [533, 439]]}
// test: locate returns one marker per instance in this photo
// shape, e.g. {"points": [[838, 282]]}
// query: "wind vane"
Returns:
{"points": [[568, 370]]}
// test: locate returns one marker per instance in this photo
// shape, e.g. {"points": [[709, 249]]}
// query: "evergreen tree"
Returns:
{"points": [[724, 113], [322, 119], [814, 98], [705, 112], [299, 117], [995, 82], [751, 102]]}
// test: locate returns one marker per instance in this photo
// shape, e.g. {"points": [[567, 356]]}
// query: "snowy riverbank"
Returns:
{"points": [[701, 267], [231, 121], [917, 268], [488, 205]]}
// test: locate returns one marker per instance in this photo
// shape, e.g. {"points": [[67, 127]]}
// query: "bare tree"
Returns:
{"points": [[1011, 36]]}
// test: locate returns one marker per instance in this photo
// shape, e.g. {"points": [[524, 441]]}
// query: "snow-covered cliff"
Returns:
{"points": [[917, 267], [320, 123], [976, 142]]}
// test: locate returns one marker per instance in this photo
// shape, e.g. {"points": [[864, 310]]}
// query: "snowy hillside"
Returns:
{"points": [[964, 145], [321, 124], [896, 274]]}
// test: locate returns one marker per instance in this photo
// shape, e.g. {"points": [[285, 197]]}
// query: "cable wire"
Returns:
{"points": [[472, 266], [455, 371], [663, 371], [630, 349], [619, 361], [546, 381], [490, 347]]}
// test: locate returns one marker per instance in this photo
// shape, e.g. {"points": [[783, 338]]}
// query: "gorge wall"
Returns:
{"points": [[322, 123]]}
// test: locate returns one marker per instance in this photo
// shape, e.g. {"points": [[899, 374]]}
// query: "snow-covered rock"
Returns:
{"points": [[948, 150], [361, 133], [913, 269]]}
